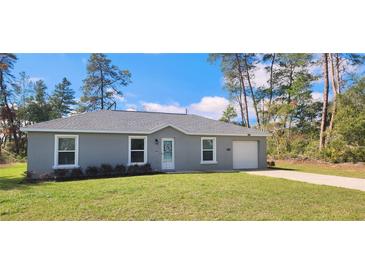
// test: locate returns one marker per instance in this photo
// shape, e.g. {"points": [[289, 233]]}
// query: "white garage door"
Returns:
{"points": [[245, 154]]}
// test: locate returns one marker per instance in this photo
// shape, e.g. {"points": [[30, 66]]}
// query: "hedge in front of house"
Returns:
{"points": [[104, 171], [120, 170], [92, 171], [139, 169]]}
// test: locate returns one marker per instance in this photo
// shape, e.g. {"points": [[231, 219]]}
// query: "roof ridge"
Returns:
{"points": [[61, 118], [145, 111], [222, 122], [141, 121]]}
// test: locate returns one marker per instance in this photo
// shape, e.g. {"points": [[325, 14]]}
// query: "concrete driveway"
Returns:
{"points": [[318, 179]]}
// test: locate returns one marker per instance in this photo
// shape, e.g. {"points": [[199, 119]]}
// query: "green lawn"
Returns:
{"points": [[204, 196], [347, 170]]}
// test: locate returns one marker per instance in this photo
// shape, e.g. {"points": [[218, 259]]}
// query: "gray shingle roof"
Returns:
{"points": [[140, 122]]}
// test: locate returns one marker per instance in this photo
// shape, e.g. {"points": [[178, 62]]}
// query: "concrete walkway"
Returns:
{"points": [[318, 179]]}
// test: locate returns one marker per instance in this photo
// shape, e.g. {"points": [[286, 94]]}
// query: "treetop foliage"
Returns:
{"points": [[103, 84]]}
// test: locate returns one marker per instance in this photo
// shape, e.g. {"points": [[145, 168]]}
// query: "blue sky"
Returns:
{"points": [[170, 82]]}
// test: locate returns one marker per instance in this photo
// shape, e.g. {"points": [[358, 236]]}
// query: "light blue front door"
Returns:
{"points": [[168, 153]]}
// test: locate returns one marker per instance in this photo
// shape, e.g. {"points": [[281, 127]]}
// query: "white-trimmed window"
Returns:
{"points": [[137, 150], [208, 150], [66, 154]]}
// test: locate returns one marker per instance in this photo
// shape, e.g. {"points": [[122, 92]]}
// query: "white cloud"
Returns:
{"points": [[315, 68], [209, 106], [131, 109], [350, 68], [155, 107], [35, 79], [120, 98], [317, 96], [129, 106], [130, 94], [251, 110], [261, 76]]}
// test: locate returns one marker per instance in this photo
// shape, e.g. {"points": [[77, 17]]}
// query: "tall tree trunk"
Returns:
{"points": [[322, 137], [1, 143], [9, 114], [334, 90], [288, 146], [263, 116], [332, 70], [102, 88], [251, 89], [243, 88], [12, 125], [241, 110], [2, 89], [271, 87], [289, 95], [338, 77]]}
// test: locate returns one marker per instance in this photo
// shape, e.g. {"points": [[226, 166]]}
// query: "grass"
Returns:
{"points": [[201, 196], [347, 170], [11, 175]]}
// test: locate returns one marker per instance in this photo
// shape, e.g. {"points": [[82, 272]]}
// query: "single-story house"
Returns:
{"points": [[167, 141]]}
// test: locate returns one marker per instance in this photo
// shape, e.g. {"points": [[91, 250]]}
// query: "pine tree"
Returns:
{"points": [[266, 94], [292, 80], [62, 99], [39, 109], [229, 114], [232, 67], [23, 88], [103, 83]]}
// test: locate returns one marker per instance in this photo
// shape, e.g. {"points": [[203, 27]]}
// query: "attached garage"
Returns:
{"points": [[245, 155]]}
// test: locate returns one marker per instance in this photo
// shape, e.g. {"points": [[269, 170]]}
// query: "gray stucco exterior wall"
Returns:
{"points": [[188, 152], [96, 149]]}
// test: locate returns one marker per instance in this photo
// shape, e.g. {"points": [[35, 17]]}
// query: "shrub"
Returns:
{"points": [[77, 173], [139, 169], [106, 170], [312, 151], [146, 168], [92, 171], [66, 174], [337, 151], [133, 170], [120, 170], [28, 175], [46, 176], [61, 174], [270, 163]]}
